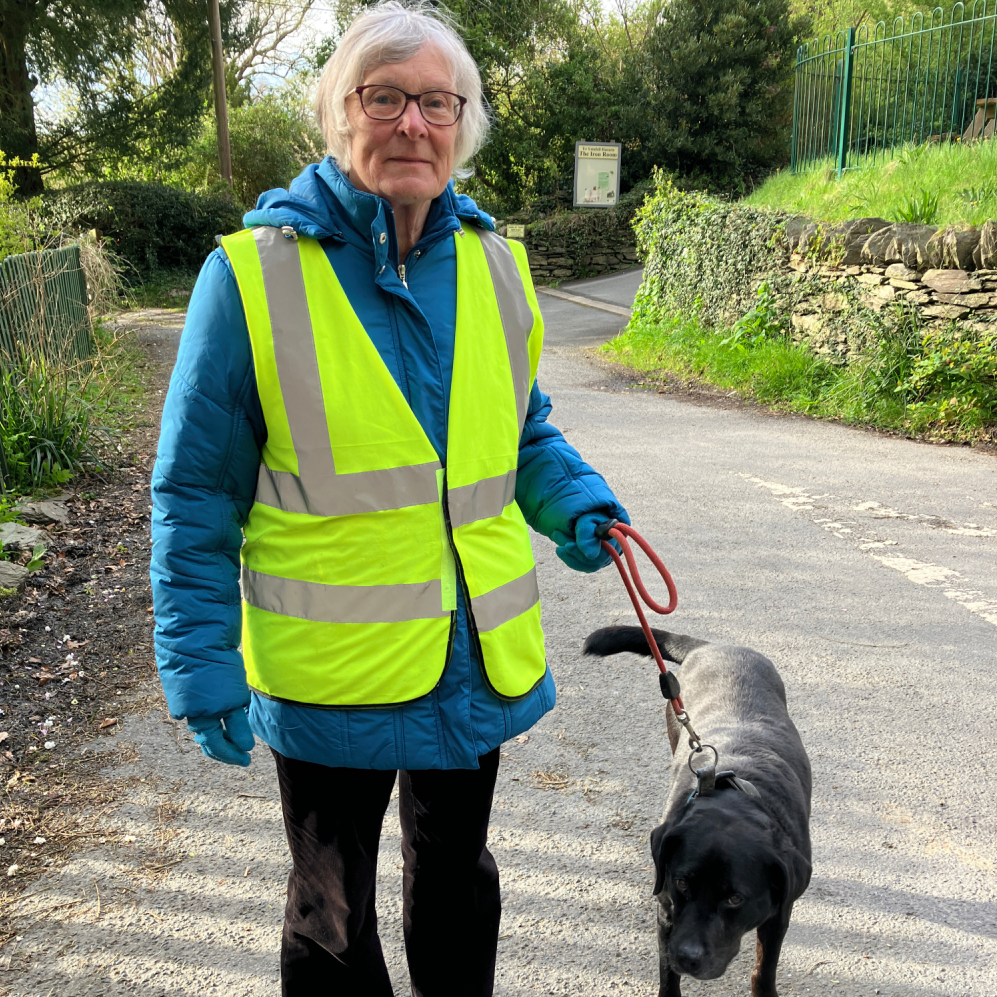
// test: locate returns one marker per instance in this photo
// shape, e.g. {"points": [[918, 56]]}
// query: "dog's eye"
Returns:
{"points": [[734, 901], [681, 885]]}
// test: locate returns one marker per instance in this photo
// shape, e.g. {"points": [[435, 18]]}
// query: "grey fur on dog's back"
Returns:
{"points": [[737, 702]]}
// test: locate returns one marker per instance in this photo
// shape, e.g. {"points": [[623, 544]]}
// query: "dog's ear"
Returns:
{"points": [[789, 875], [663, 847]]}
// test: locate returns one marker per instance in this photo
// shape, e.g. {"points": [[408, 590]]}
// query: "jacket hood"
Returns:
{"points": [[321, 201]]}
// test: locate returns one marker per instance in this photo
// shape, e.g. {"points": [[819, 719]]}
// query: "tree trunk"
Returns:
{"points": [[18, 136]]}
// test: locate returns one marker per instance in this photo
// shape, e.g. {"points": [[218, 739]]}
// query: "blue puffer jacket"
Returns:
{"points": [[209, 456]]}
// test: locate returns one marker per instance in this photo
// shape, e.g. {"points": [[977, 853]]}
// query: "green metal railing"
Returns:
{"points": [[43, 306], [867, 92]]}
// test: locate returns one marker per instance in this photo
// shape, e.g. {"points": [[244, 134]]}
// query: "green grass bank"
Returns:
{"points": [[934, 386], [722, 302], [928, 184]]}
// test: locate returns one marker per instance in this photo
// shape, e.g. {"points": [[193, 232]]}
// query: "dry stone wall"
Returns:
{"points": [[848, 273], [573, 245]]}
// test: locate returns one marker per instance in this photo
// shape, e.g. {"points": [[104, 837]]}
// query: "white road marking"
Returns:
{"points": [[949, 581]]}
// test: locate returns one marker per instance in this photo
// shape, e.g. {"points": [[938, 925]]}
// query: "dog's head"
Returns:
{"points": [[723, 868]]}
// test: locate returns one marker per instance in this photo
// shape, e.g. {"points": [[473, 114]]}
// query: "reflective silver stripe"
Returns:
{"points": [[506, 602], [481, 500], [517, 316], [343, 603], [297, 362], [349, 494]]}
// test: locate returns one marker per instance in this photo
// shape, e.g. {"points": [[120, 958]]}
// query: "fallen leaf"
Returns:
{"points": [[522, 738], [45, 678], [3, 736], [108, 722], [34, 661], [12, 781]]}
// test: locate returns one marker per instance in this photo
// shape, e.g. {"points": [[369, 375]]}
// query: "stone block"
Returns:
{"points": [[833, 302], [946, 311], [12, 576], [985, 254], [19, 537], [958, 246], [899, 243], [950, 281], [905, 285], [897, 271], [844, 242], [978, 299], [43, 512], [870, 278], [919, 298], [806, 324], [561, 272]]}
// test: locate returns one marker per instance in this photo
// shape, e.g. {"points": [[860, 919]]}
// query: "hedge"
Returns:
{"points": [[153, 227]]}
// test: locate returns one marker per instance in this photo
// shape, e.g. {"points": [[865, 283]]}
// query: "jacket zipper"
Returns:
{"points": [[471, 628], [401, 275]]}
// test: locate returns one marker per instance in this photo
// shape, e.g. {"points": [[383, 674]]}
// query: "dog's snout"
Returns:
{"points": [[690, 956]]}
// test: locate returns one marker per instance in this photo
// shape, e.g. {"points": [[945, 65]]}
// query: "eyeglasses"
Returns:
{"points": [[438, 107]]}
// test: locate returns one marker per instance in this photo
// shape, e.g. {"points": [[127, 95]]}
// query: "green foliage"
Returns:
{"points": [[955, 174], [111, 105], [920, 208], [720, 82], [271, 139], [939, 385], [47, 429], [702, 255], [764, 321], [153, 227], [21, 227], [701, 311], [37, 561]]}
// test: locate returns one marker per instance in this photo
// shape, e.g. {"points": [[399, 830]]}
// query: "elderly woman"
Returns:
{"points": [[354, 432]]}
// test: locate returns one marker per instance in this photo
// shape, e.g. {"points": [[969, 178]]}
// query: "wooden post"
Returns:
{"points": [[221, 107]]}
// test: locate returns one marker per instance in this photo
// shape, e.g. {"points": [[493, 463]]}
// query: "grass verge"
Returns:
{"points": [[934, 385], [928, 184]]}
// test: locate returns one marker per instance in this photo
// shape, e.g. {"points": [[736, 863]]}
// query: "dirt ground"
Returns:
{"points": [[76, 657]]}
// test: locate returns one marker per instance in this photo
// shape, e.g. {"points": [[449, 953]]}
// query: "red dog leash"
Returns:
{"points": [[669, 682]]}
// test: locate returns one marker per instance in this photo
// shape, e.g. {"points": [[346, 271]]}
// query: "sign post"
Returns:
{"points": [[597, 174]]}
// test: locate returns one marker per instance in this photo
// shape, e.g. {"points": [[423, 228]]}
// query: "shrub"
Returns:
{"points": [[271, 138], [152, 227]]}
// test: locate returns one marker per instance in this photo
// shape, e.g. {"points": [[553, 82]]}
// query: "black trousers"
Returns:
{"points": [[451, 904]]}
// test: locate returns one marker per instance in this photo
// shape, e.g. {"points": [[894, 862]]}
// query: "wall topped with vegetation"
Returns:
{"points": [[837, 287]]}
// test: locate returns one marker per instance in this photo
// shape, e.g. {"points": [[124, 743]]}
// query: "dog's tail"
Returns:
{"points": [[613, 640]]}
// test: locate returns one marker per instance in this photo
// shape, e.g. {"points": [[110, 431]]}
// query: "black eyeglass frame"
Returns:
{"points": [[417, 97]]}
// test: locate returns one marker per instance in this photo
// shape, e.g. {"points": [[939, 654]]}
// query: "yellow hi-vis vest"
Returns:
{"points": [[358, 537]]}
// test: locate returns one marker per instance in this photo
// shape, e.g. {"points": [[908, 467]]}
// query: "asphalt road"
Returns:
{"points": [[862, 565]]}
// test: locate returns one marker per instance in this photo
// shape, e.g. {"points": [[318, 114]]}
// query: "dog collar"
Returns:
{"points": [[709, 780]]}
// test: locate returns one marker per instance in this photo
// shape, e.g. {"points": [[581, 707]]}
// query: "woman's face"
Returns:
{"points": [[405, 161]]}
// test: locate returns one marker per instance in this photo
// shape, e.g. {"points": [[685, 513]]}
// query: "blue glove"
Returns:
{"points": [[584, 552], [230, 744]]}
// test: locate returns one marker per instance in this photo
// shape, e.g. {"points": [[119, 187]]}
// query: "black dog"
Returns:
{"points": [[734, 857]]}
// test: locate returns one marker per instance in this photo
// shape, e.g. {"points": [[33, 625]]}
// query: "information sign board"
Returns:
{"points": [[597, 174], [515, 231]]}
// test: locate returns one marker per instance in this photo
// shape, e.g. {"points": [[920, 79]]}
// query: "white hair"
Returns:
{"points": [[387, 33]]}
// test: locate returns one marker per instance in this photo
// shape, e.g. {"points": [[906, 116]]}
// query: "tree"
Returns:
{"points": [[115, 102], [719, 80]]}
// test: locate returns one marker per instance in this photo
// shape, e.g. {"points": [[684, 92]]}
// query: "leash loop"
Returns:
{"points": [[634, 585]]}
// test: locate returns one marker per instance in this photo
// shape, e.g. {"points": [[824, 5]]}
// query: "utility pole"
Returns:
{"points": [[221, 107]]}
